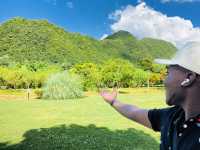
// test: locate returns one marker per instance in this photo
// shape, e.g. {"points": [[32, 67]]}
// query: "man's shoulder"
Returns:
{"points": [[169, 110], [174, 109], [160, 117], [166, 113]]}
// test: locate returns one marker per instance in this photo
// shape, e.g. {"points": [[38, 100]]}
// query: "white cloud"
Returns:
{"points": [[103, 36], [143, 21], [179, 1], [70, 4]]}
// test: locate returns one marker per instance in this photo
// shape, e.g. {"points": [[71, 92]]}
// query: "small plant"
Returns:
{"points": [[63, 86], [38, 93]]}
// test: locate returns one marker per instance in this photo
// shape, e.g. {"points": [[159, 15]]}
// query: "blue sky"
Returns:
{"points": [[93, 17]]}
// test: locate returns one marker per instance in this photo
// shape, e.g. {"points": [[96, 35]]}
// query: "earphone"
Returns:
{"points": [[185, 81]]}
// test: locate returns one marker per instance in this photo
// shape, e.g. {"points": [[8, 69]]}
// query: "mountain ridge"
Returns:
{"points": [[25, 40]]}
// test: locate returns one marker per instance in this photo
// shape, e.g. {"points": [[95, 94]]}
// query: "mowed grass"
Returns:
{"points": [[77, 124]]}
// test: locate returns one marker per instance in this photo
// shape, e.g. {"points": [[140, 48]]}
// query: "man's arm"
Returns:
{"points": [[132, 112]]}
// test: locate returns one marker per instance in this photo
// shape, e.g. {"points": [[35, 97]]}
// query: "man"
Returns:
{"points": [[179, 125]]}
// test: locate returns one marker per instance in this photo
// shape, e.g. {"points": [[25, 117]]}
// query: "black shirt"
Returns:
{"points": [[176, 133]]}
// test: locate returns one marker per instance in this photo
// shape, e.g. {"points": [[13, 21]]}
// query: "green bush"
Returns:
{"points": [[89, 73], [155, 79], [13, 77], [117, 72], [2, 76], [140, 78], [157, 68], [38, 93], [41, 76], [114, 72], [146, 63], [21, 76], [63, 86]]}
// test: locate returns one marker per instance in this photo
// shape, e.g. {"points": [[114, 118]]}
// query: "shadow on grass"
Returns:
{"points": [[76, 137]]}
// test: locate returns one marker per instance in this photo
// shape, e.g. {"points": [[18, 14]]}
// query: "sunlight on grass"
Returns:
{"points": [[19, 118]]}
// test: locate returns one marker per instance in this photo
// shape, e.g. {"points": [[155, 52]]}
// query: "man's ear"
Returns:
{"points": [[191, 77]]}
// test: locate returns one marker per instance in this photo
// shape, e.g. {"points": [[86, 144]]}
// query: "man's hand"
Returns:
{"points": [[109, 96], [129, 111]]}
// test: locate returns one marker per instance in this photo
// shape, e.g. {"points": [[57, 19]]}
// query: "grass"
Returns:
{"points": [[80, 124]]}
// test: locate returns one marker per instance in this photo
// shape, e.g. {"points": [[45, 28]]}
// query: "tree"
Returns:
{"points": [[117, 72], [140, 78], [146, 64], [90, 74]]}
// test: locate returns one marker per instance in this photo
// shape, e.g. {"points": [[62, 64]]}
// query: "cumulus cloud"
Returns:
{"points": [[70, 4], [143, 21], [179, 1], [103, 36]]}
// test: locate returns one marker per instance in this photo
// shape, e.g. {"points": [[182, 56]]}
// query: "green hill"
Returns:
{"points": [[38, 40], [123, 35]]}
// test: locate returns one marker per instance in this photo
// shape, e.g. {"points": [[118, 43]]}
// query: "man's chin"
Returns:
{"points": [[170, 99], [169, 103], [173, 101]]}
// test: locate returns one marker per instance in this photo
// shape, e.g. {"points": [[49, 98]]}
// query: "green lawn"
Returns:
{"points": [[80, 124]]}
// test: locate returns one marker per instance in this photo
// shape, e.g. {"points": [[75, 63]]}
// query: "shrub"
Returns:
{"points": [[155, 79], [157, 68], [146, 63], [13, 77], [117, 72], [3, 72], [89, 73], [40, 76], [140, 78], [21, 77], [16, 77], [63, 86], [38, 93]]}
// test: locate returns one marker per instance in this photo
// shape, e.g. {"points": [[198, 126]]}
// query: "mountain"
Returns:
{"points": [[123, 35], [26, 40]]}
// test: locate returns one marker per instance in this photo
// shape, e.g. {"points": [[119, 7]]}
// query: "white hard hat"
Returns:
{"points": [[187, 57]]}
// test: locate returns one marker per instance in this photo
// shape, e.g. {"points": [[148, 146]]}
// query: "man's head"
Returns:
{"points": [[178, 83], [183, 72]]}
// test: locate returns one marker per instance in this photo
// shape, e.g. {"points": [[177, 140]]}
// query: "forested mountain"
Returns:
{"points": [[25, 40]]}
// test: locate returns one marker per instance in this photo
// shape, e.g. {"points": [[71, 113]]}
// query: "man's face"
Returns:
{"points": [[175, 94]]}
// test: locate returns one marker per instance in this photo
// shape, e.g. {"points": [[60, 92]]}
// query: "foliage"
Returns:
{"points": [[117, 72], [15, 77], [155, 79], [41, 75], [146, 63], [5, 60], [90, 74], [140, 78], [38, 93], [36, 66], [22, 77], [32, 50], [34, 41], [63, 86], [157, 68]]}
